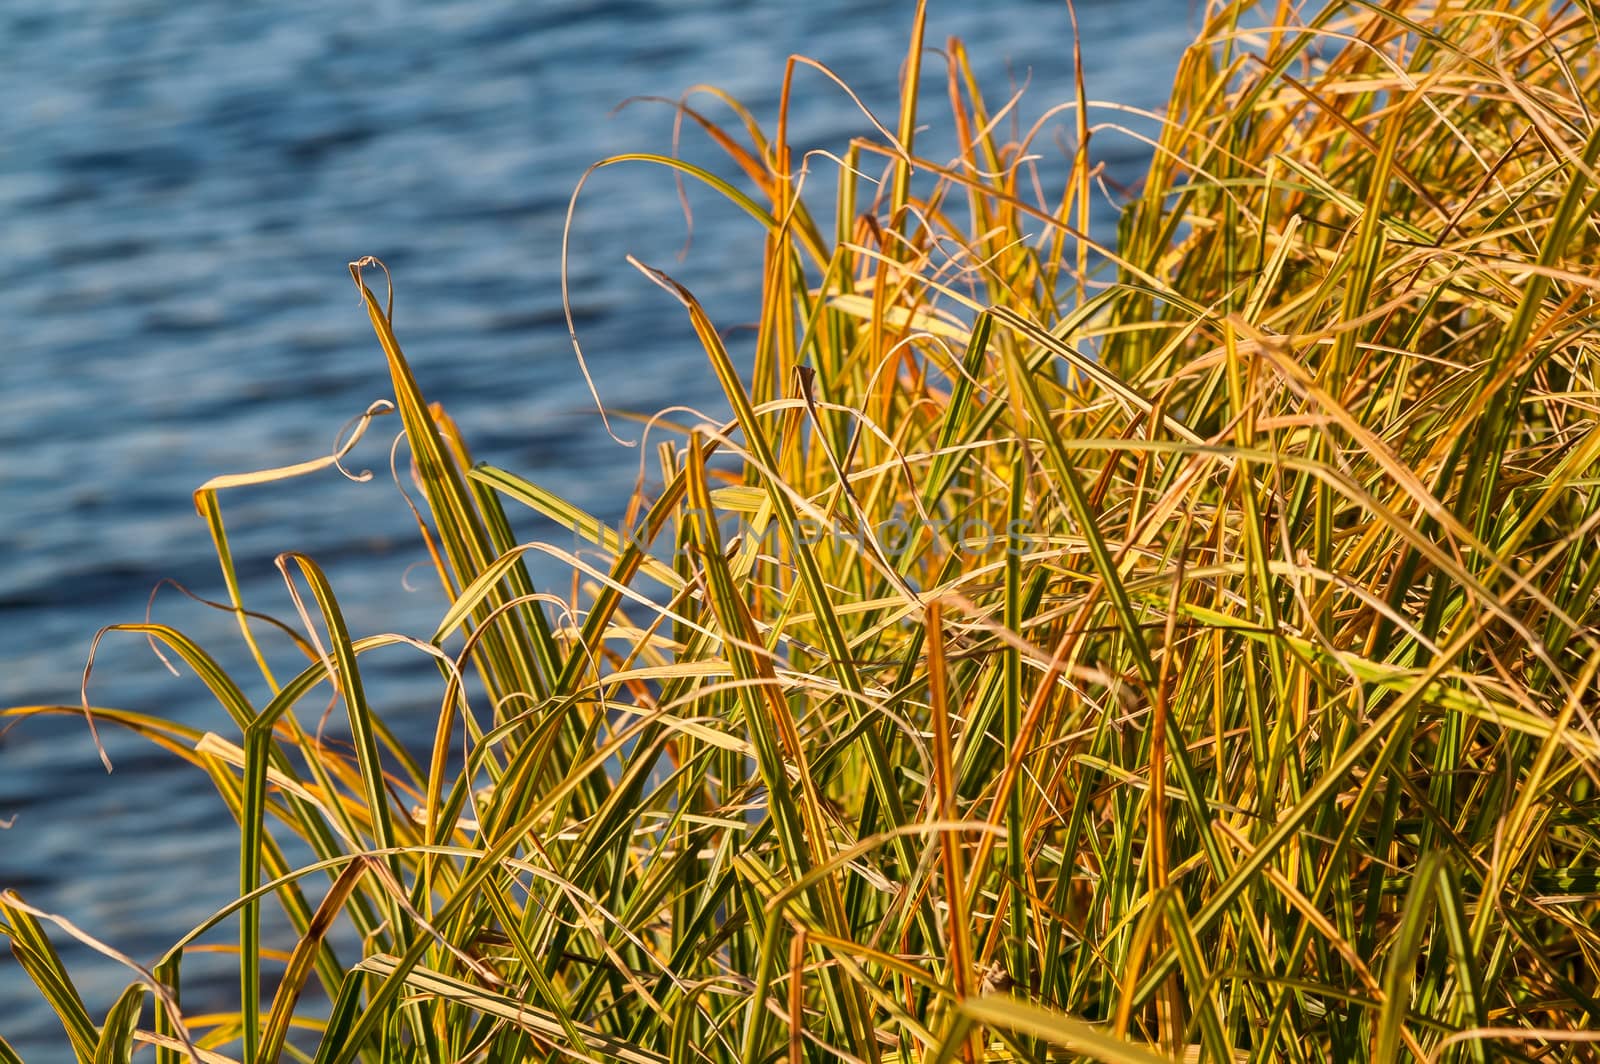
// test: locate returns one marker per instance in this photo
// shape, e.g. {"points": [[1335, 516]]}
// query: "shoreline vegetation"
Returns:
{"points": [[1274, 741]]}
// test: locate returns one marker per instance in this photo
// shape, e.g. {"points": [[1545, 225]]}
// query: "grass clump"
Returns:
{"points": [[1179, 650]]}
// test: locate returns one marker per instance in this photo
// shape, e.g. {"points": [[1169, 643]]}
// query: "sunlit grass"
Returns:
{"points": [[1184, 649]]}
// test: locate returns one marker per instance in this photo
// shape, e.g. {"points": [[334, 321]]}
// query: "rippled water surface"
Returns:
{"points": [[181, 186]]}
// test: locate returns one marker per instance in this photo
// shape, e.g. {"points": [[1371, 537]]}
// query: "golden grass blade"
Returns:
{"points": [[1083, 1038], [509, 1009]]}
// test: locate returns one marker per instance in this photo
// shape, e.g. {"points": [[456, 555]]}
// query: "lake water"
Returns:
{"points": [[181, 186]]}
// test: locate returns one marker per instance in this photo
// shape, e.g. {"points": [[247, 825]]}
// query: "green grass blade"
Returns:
{"points": [[116, 1034]]}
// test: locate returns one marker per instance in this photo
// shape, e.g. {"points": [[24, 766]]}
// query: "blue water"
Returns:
{"points": [[181, 186]]}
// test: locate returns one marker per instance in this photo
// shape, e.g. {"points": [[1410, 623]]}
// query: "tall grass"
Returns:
{"points": [[1183, 649]]}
